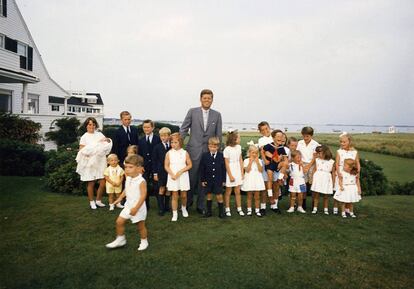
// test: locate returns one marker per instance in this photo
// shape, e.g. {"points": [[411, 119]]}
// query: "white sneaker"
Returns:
{"points": [[301, 210], [143, 245], [314, 211], [249, 213], [119, 206], [174, 217], [100, 204], [352, 215], [120, 241], [184, 212], [228, 214], [93, 205], [111, 207], [291, 210], [241, 213], [326, 212]]}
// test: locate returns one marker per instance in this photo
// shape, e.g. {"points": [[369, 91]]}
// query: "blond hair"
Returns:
{"points": [[134, 160], [112, 156], [177, 136], [133, 148], [164, 130], [214, 141]]}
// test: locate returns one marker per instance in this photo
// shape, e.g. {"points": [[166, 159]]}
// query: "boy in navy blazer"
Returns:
{"points": [[146, 146], [125, 136], [213, 175], [158, 170]]}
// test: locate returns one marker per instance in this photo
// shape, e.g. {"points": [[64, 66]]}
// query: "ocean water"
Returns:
{"points": [[296, 127]]}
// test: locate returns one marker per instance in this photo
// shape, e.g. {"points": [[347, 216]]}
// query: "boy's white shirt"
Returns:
{"points": [[264, 140], [307, 150]]}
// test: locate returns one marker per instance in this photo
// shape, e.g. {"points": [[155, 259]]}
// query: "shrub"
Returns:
{"points": [[402, 189], [373, 180], [21, 159], [20, 129], [67, 133]]}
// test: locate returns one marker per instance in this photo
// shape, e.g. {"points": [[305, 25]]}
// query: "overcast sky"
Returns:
{"points": [[282, 61]]}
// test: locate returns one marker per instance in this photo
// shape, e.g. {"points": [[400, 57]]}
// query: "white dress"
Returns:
{"points": [[350, 192], [91, 158], [233, 154], [253, 180], [322, 178], [178, 162], [133, 194], [343, 155], [297, 179]]}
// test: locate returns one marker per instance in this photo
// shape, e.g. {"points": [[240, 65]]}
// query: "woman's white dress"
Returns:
{"points": [[91, 158], [350, 192], [233, 154], [177, 162], [322, 177], [253, 180]]}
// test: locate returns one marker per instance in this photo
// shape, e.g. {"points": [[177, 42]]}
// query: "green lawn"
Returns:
{"points": [[396, 168], [55, 241]]}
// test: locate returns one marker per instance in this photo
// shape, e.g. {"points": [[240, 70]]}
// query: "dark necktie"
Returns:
{"points": [[166, 146], [128, 134], [214, 156], [148, 140]]}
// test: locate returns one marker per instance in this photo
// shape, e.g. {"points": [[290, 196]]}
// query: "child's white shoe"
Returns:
{"points": [[291, 210], [335, 211], [301, 210], [241, 213], [352, 215], [143, 245], [228, 214], [174, 217], [343, 215], [120, 241], [111, 207], [314, 211], [249, 212], [326, 212], [184, 212], [100, 204], [119, 206], [92, 205]]}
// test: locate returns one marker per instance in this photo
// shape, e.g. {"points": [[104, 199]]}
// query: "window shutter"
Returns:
{"points": [[10, 44], [29, 58], [23, 62], [5, 8]]}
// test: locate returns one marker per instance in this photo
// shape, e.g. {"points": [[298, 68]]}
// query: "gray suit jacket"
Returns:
{"points": [[198, 142]]}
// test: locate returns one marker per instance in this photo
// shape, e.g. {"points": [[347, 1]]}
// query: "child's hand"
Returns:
{"points": [[156, 178], [224, 184], [173, 177], [204, 184], [133, 211], [232, 179], [341, 187]]}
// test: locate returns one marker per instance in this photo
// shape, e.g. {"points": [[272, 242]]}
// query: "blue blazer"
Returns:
{"points": [[121, 142], [212, 170], [158, 159], [146, 150]]}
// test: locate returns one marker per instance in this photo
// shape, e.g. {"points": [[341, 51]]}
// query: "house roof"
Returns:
{"points": [[76, 100]]}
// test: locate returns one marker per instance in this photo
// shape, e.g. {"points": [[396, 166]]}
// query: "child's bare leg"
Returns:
{"points": [[91, 189], [269, 184], [238, 196], [315, 196], [101, 189], [183, 197], [142, 230], [351, 207], [257, 200], [292, 199], [275, 198], [227, 197], [343, 208], [300, 199], [209, 196], [219, 198], [325, 201], [161, 191], [249, 200], [120, 226], [174, 202], [111, 198]]}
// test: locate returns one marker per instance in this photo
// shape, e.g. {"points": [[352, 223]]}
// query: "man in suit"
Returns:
{"points": [[125, 135], [203, 123], [146, 146]]}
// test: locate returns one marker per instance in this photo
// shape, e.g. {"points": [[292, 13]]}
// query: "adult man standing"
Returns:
{"points": [[203, 123]]}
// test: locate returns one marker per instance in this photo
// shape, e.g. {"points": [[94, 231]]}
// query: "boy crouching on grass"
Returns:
{"points": [[135, 208]]}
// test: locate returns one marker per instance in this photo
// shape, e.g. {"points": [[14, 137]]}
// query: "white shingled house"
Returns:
{"points": [[26, 88]]}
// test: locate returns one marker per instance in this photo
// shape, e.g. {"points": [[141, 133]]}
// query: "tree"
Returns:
{"points": [[67, 133], [17, 128]]}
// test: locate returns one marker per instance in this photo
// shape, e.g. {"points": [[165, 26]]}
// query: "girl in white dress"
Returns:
{"points": [[297, 184], [234, 167], [323, 178], [91, 159], [135, 208], [349, 187], [253, 182], [177, 164], [347, 151]]}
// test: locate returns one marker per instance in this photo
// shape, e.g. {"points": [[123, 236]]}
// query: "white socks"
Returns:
{"points": [[174, 217], [184, 211], [269, 193], [263, 206], [143, 245]]}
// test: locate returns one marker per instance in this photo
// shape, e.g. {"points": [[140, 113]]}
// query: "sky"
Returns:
{"points": [[315, 62]]}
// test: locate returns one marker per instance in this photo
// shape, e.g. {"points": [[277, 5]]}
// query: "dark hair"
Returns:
{"points": [[135, 160], [231, 138], [324, 149], [292, 139], [206, 91], [148, 121], [124, 113], [92, 119], [307, 130], [262, 123], [275, 132]]}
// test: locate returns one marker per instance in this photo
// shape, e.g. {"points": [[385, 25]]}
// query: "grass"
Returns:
{"points": [[396, 168], [55, 241]]}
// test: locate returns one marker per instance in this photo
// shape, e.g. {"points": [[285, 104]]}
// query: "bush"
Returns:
{"points": [[68, 131], [20, 129], [373, 180], [60, 172], [21, 159], [402, 189]]}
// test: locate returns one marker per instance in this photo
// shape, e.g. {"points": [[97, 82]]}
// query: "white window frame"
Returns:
{"points": [[2, 39], [34, 98], [21, 44], [55, 107], [1, 7], [10, 100]]}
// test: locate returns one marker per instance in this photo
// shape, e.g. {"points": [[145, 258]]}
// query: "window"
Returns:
{"points": [[5, 102], [55, 107], [3, 8], [21, 49], [89, 110], [1, 40], [33, 104]]}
